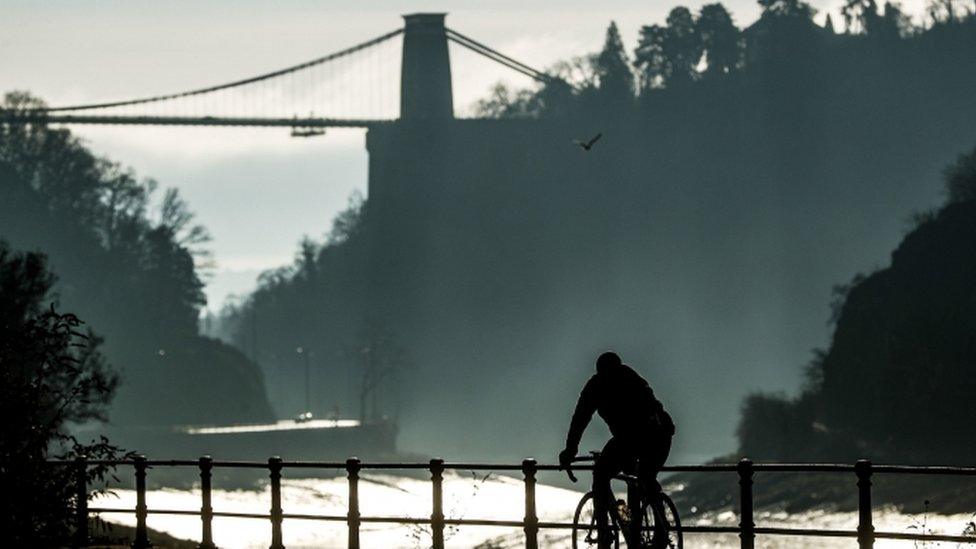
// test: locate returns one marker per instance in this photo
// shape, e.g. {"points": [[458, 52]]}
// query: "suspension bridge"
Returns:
{"points": [[355, 87]]}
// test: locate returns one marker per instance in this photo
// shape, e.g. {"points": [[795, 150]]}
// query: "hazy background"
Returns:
{"points": [[776, 230], [701, 238], [282, 188]]}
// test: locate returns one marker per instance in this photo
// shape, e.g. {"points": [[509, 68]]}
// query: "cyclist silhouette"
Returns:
{"points": [[640, 427]]}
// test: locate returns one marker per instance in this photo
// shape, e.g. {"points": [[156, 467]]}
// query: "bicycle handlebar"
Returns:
{"points": [[577, 459]]}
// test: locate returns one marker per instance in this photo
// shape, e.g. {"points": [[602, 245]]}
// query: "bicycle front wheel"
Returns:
{"points": [[671, 522], [584, 525]]}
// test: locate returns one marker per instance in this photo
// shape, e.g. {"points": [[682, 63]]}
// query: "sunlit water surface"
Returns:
{"points": [[466, 496]]}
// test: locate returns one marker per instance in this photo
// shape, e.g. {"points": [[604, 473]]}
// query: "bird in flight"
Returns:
{"points": [[589, 144]]}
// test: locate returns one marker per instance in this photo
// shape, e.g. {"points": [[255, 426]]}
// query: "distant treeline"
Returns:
{"points": [[740, 175], [129, 268], [708, 48], [316, 304]]}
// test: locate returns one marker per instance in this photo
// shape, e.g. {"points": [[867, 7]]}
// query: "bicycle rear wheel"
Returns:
{"points": [[584, 525], [671, 521]]}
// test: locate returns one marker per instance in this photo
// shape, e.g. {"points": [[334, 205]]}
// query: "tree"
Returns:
{"points": [[894, 23], [960, 178], [784, 38], [787, 8], [616, 81], [580, 71], [721, 40], [861, 16], [349, 222], [175, 215], [381, 360], [829, 25], [649, 58], [51, 375], [550, 99], [947, 11], [504, 102], [171, 287], [682, 46], [125, 207]]}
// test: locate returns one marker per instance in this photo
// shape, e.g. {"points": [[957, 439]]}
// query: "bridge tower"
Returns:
{"points": [[425, 70]]}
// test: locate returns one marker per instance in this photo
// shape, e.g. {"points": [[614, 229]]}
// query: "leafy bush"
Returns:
{"points": [[51, 375]]}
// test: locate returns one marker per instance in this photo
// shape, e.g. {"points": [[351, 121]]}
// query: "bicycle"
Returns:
{"points": [[636, 535]]}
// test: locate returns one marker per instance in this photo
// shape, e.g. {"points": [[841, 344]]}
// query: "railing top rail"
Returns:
{"points": [[747, 529], [924, 469], [706, 468]]}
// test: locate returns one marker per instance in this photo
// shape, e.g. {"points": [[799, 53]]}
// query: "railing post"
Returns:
{"points": [[634, 505], [531, 520], [81, 507], [206, 509], [437, 512], [865, 522], [274, 465], [352, 468], [747, 527], [142, 536]]}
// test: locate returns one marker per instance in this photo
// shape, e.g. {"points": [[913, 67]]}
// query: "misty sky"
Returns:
{"points": [[258, 190]]}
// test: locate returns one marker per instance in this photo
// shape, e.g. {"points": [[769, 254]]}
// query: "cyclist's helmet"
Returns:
{"points": [[607, 361]]}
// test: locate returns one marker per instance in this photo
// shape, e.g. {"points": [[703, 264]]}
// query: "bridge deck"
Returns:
{"points": [[299, 123]]}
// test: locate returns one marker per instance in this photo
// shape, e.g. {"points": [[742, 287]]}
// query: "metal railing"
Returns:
{"points": [[863, 471]]}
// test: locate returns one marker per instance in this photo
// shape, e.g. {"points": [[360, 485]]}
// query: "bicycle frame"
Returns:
{"points": [[632, 532], [637, 496]]}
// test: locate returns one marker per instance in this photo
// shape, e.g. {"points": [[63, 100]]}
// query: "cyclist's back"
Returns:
{"points": [[625, 401]]}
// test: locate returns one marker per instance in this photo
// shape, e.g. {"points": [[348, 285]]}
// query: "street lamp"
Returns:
{"points": [[306, 415]]}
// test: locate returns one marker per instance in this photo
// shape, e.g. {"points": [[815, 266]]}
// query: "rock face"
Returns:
{"points": [[900, 376]]}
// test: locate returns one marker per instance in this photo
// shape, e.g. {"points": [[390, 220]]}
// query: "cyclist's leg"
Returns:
{"points": [[606, 466], [651, 460]]}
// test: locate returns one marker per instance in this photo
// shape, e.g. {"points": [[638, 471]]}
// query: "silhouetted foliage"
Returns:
{"points": [[612, 68], [52, 375], [786, 8], [382, 360], [861, 16], [682, 47], [721, 40], [960, 178], [650, 59], [317, 304], [126, 263]]}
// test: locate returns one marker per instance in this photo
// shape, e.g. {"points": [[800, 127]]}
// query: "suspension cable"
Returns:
{"points": [[497, 56], [234, 84]]}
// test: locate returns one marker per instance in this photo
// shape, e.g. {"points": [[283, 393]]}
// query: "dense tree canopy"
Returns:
{"points": [[126, 262], [784, 40]]}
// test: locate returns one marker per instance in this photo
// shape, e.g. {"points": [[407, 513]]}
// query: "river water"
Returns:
{"points": [[466, 495]]}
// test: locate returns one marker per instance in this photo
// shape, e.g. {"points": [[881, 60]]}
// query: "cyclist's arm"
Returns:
{"points": [[585, 407]]}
